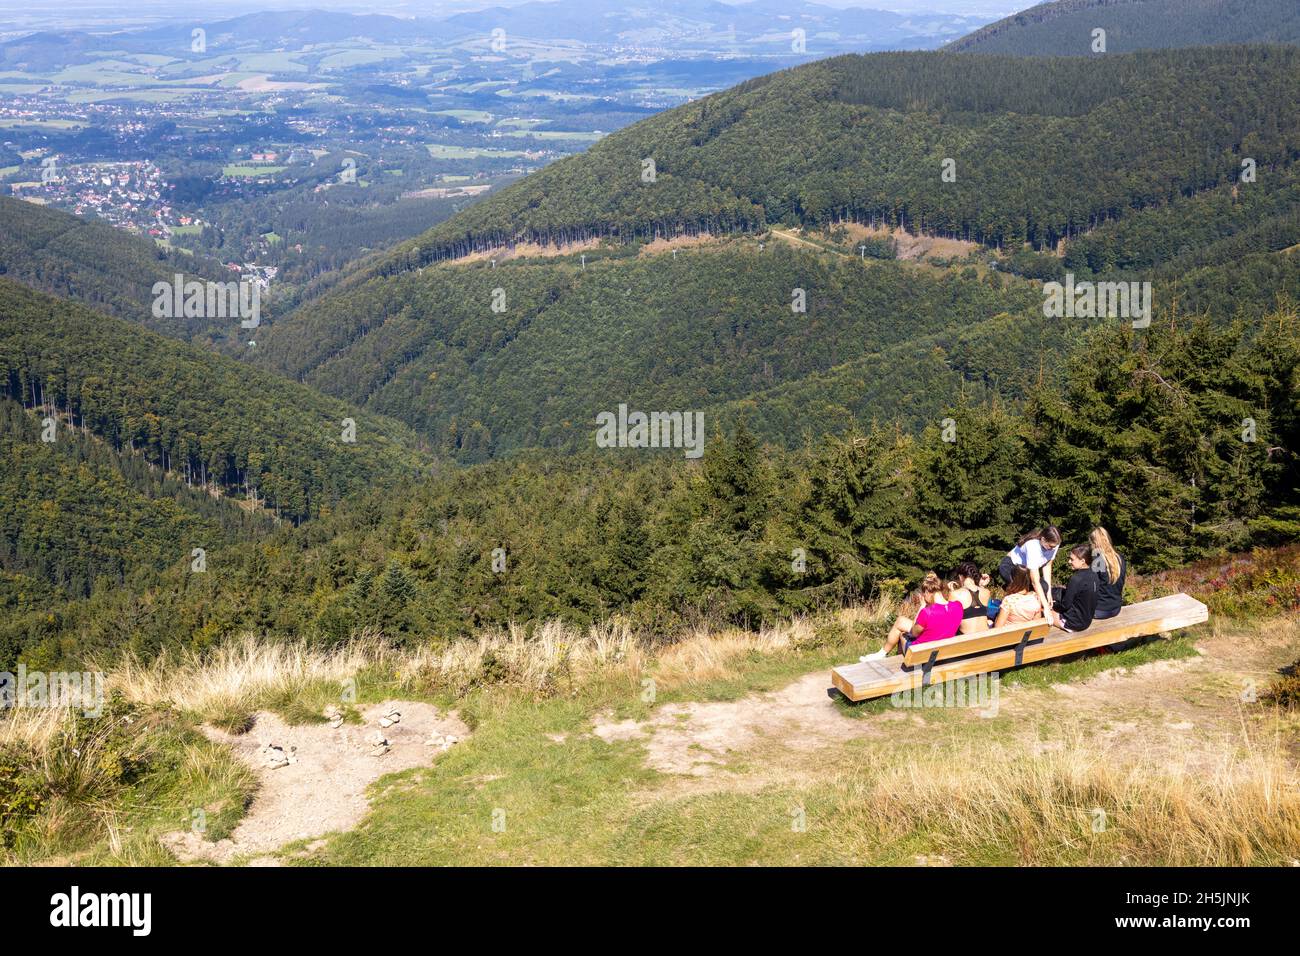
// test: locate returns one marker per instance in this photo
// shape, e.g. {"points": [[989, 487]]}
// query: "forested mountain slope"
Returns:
{"points": [[100, 266], [214, 421], [1042, 150], [77, 515], [1144, 434], [1064, 28], [697, 330], [1098, 168]]}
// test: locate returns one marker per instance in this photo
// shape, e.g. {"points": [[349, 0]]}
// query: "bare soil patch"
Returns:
{"points": [[913, 247], [662, 244], [324, 789], [528, 250]]}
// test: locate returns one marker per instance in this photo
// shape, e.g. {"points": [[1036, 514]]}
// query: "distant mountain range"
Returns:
{"points": [[676, 26], [706, 22], [693, 27], [1065, 27]]}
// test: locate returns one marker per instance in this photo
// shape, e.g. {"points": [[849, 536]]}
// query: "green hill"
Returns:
{"points": [[1065, 27], [697, 331], [1043, 150], [1112, 168], [100, 266], [212, 420]]}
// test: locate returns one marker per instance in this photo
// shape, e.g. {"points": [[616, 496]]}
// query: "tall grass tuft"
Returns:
{"points": [[1078, 805]]}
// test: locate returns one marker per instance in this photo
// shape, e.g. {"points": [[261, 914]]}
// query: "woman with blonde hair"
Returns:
{"points": [[1112, 571], [938, 619]]}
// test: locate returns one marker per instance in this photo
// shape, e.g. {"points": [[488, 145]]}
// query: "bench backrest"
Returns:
{"points": [[963, 644]]}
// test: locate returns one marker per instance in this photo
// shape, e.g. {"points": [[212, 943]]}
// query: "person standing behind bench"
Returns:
{"points": [[1111, 569], [1076, 603], [1035, 553]]}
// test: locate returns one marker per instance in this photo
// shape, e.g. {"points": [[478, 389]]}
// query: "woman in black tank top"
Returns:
{"points": [[975, 613], [976, 609]]}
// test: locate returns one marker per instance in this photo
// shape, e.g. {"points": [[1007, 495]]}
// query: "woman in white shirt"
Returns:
{"points": [[1034, 552]]}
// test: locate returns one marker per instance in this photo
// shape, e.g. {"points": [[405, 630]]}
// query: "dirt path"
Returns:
{"points": [[800, 240], [699, 739], [324, 789], [1189, 707]]}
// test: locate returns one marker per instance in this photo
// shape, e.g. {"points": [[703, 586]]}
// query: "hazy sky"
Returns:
{"points": [[68, 9], [25, 16]]}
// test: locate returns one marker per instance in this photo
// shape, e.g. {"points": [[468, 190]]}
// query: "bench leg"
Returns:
{"points": [[926, 668]]}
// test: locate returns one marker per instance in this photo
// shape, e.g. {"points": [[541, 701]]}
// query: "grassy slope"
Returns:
{"points": [[1184, 770], [584, 801]]}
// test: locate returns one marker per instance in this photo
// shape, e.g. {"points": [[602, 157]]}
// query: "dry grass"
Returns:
{"points": [[74, 769], [238, 678], [239, 674], [247, 674], [703, 655], [30, 727], [101, 786], [1077, 805], [551, 658]]}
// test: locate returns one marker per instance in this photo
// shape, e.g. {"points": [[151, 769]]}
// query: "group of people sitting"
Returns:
{"points": [[962, 603]]}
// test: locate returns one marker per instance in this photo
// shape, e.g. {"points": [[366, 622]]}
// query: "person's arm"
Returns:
{"points": [[1002, 614], [1043, 581], [917, 626], [1071, 595], [1044, 600]]}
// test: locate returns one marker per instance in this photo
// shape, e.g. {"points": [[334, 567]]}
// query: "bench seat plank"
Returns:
{"points": [[965, 644], [885, 677]]}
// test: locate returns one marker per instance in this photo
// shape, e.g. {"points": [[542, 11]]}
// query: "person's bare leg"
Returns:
{"points": [[901, 627]]}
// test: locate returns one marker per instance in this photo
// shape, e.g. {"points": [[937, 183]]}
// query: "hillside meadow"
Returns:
{"points": [[717, 746]]}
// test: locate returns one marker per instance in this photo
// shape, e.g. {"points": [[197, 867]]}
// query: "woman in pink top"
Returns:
{"points": [[938, 619]]}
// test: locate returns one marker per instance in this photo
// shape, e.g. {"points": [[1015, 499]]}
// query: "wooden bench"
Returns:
{"points": [[1002, 648]]}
